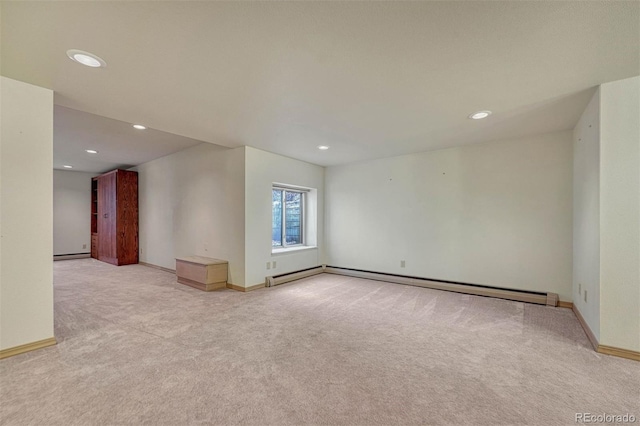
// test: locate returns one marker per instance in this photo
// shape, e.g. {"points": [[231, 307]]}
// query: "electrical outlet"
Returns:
{"points": [[206, 247], [268, 265], [84, 246], [274, 264], [579, 288], [585, 296], [402, 263]]}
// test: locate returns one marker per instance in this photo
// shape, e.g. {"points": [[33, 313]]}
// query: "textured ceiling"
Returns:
{"points": [[370, 79]]}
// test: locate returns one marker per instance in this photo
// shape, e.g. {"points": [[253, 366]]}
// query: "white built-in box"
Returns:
{"points": [[203, 273]]}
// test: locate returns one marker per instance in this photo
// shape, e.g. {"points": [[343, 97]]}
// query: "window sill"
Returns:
{"points": [[291, 249]]}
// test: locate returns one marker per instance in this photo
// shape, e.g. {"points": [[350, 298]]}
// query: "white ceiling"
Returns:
{"points": [[119, 145], [370, 79]]}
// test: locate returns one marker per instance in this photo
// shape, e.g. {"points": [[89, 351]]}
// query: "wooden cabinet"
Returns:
{"points": [[94, 218], [114, 217], [94, 245]]}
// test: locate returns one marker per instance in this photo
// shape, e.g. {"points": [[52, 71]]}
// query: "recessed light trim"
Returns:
{"points": [[323, 147], [139, 127], [86, 58], [91, 151], [66, 166], [480, 115]]}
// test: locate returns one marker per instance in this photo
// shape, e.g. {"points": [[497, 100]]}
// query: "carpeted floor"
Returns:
{"points": [[137, 348]]}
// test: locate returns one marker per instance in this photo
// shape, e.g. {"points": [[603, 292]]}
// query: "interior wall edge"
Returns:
{"points": [[586, 328]]}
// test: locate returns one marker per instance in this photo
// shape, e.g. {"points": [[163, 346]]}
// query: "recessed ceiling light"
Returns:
{"points": [[139, 126], [91, 151], [323, 147], [86, 58], [67, 167], [480, 115]]}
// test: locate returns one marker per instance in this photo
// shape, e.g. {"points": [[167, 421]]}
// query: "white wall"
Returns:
{"points": [[71, 212], [192, 203], [586, 214], [26, 206], [263, 169], [620, 214], [497, 214]]}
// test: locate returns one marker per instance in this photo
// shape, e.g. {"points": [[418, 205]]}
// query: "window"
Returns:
{"points": [[288, 207]]}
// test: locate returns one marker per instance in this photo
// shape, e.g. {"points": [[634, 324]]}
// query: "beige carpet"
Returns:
{"points": [[137, 348]]}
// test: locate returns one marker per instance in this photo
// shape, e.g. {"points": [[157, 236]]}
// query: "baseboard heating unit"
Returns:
{"points": [[549, 299], [71, 256], [292, 276], [540, 298]]}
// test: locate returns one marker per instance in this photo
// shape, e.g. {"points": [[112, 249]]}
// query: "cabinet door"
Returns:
{"points": [[127, 225], [107, 218]]}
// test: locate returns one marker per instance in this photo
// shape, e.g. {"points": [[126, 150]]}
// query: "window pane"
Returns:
{"points": [[276, 225], [293, 217]]}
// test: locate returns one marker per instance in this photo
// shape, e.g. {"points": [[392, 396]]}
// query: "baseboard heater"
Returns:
{"points": [[71, 256], [549, 299], [292, 276]]}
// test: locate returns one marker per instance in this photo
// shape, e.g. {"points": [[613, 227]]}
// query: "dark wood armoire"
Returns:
{"points": [[114, 217]]}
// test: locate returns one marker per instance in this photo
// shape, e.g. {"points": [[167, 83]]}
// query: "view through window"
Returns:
{"points": [[288, 217]]}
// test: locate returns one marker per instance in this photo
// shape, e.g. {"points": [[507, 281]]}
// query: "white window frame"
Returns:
{"points": [[283, 224]]}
